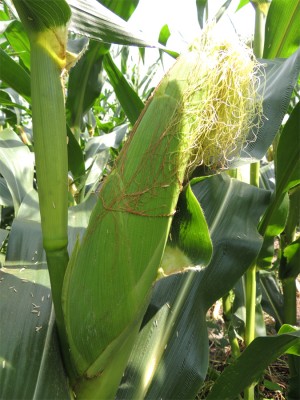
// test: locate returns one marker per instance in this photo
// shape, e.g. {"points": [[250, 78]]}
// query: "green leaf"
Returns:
{"points": [[5, 196], [277, 89], [288, 153], [189, 230], [277, 214], [97, 152], [242, 3], [282, 29], [123, 8], [272, 298], [128, 98], [91, 19], [222, 10], [88, 71], [3, 235], [18, 39], [6, 100], [173, 340], [14, 76], [16, 166], [287, 173], [295, 350], [201, 6], [31, 364], [251, 364], [291, 261], [239, 310], [164, 34], [41, 15], [75, 156], [272, 385]]}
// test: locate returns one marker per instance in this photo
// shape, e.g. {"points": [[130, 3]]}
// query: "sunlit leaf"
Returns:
{"points": [[281, 77], [123, 8], [18, 40], [282, 32], [91, 19]]}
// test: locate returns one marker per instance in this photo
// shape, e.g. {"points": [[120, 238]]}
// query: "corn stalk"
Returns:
{"points": [[46, 26]]}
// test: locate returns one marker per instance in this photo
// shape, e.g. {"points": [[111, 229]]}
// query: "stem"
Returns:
{"points": [[290, 305], [250, 304], [289, 284], [251, 290], [250, 318], [259, 32], [227, 311], [50, 145], [290, 291], [258, 46]]}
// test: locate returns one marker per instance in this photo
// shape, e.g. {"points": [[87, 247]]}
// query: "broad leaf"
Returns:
{"points": [[127, 97], [97, 152], [281, 77], [170, 357], [42, 15], [5, 196], [282, 31], [272, 299], [16, 166], [18, 39], [295, 350], [238, 317], [75, 156], [123, 8], [91, 19], [14, 75], [31, 365], [251, 364], [290, 265], [288, 153], [287, 176], [87, 71], [201, 6], [242, 4], [164, 35], [28, 338]]}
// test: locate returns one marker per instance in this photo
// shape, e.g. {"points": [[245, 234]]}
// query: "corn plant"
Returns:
{"points": [[140, 256]]}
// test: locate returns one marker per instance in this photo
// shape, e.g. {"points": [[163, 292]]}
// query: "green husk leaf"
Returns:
{"points": [[189, 230]]}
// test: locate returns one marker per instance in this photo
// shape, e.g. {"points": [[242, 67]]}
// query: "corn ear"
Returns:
{"points": [[184, 123]]}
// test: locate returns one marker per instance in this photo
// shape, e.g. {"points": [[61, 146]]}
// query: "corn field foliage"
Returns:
{"points": [[128, 209]]}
